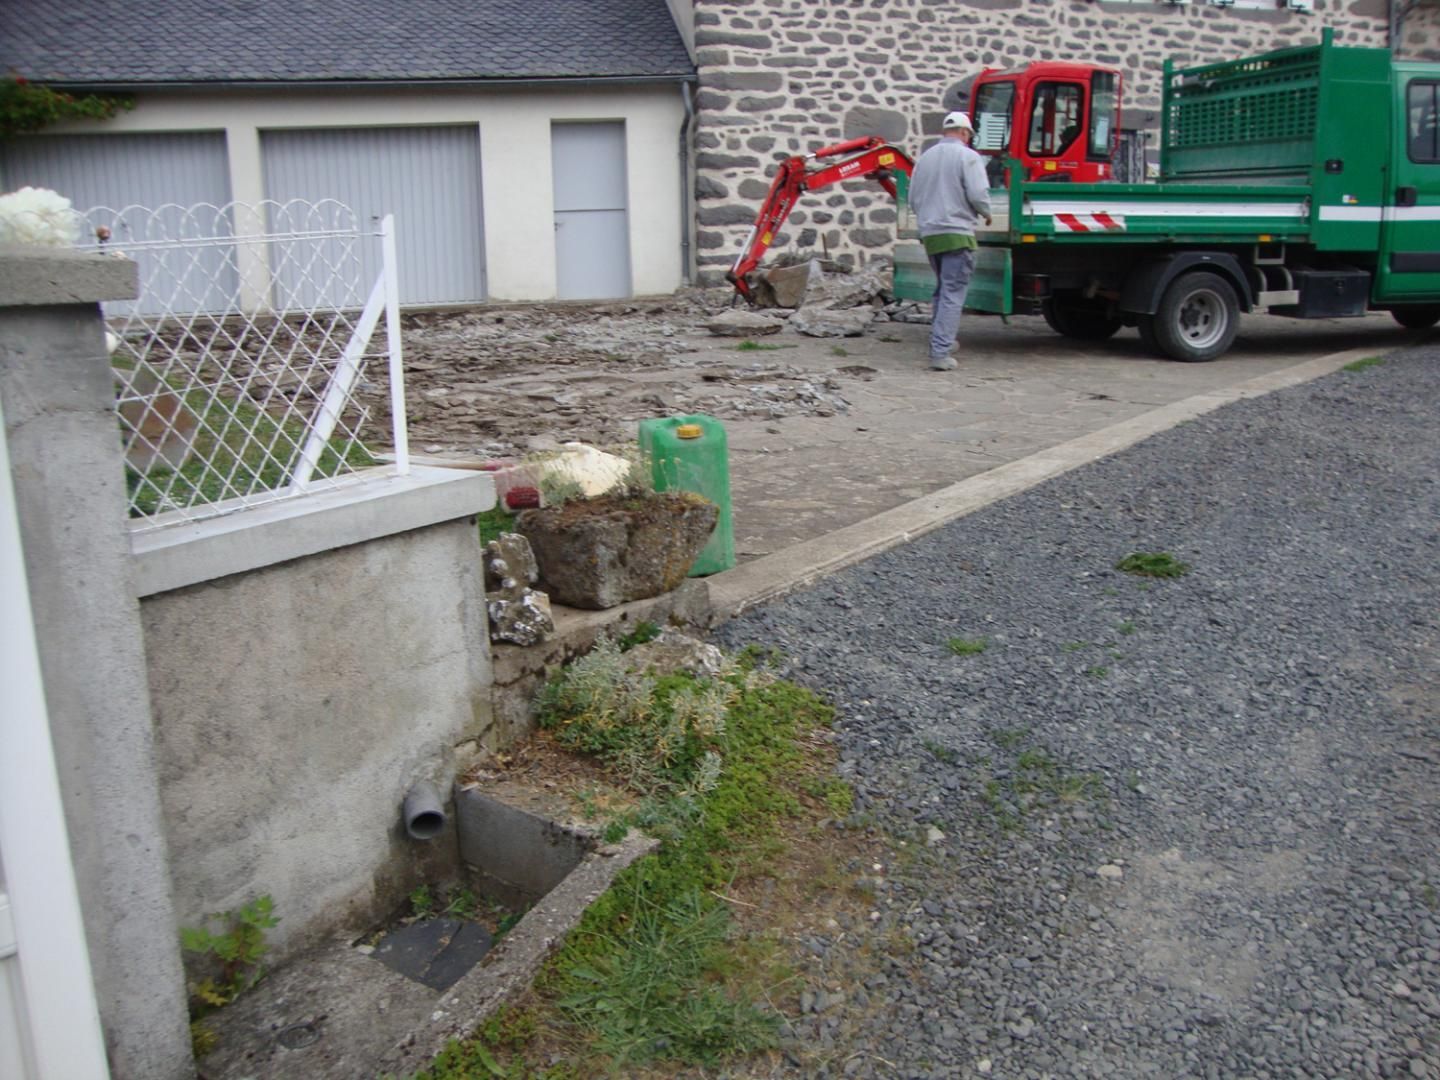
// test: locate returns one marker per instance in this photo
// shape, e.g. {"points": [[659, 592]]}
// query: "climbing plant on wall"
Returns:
{"points": [[27, 107]]}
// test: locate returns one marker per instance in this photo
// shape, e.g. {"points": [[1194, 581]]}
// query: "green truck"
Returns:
{"points": [[1303, 182]]}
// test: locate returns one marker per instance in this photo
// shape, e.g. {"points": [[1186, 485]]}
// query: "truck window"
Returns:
{"points": [[992, 116], [1103, 101], [1422, 106], [1055, 120]]}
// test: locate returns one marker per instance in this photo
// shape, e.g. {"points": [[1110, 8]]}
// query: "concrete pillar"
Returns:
{"points": [[69, 478]]}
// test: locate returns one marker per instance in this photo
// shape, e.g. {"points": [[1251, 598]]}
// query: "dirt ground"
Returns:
{"points": [[503, 382]]}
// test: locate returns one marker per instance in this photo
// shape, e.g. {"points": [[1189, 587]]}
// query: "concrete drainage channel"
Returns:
{"points": [[357, 1008]]}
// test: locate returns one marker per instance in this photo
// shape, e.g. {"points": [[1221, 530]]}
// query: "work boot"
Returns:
{"points": [[942, 363]]}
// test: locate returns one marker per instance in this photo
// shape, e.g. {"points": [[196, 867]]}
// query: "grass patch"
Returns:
{"points": [[657, 974], [1036, 781], [967, 646], [1097, 671], [759, 346], [839, 350], [1074, 646], [1126, 628], [237, 449], [941, 753], [1155, 564], [1367, 362], [493, 522]]}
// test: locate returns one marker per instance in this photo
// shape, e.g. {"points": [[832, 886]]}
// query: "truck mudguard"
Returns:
{"points": [[1140, 294]]}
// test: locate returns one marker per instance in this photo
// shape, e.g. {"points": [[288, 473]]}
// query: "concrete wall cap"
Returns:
{"points": [[40, 276]]}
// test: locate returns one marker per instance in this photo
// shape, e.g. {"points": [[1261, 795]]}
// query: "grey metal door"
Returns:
{"points": [[181, 180], [428, 177], [592, 220]]}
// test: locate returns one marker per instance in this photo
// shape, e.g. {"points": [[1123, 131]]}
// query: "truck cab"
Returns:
{"points": [[1060, 120]]}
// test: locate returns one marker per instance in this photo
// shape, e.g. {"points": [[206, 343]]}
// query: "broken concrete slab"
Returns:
{"points": [[742, 324], [823, 322]]}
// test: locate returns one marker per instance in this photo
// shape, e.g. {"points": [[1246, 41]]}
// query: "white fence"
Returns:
{"points": [[241, 369]]}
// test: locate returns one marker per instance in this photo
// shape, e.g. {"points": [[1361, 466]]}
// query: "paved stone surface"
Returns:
{"points": [[1018, 389]]}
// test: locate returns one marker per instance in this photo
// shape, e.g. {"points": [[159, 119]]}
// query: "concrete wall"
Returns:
{"points": [[69, 481], [514, 126], [294, 706], [781, 77]]}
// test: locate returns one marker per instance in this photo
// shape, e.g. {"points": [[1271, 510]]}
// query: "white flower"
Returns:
{"points": [[38, 216]]}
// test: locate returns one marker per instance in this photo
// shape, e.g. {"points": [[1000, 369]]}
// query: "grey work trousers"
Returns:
{"points": [[953, 270]]}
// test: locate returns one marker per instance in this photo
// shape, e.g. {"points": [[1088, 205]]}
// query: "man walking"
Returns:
{"points": [[949, 193]]}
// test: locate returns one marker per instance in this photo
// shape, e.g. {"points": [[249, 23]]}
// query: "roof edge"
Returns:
{"points": [[357, 84]]}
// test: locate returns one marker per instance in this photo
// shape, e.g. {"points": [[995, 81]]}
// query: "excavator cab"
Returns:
{"points": [[1060, 120]]}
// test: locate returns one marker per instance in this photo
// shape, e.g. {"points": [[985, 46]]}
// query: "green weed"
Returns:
{"points": [[757, 346], [644, 632], [942, 753], [839, 350], [493, 522], [1074, 646], [1361, 365], [237, 951], [1157, 564], [967, 646], [1126, 628], [1097, 671]]}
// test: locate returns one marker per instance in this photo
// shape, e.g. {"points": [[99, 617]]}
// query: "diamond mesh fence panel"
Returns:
{"points": [[241, 369]]}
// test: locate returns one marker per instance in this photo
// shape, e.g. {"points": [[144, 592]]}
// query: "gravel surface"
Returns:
{"points": [[1179, 827]]}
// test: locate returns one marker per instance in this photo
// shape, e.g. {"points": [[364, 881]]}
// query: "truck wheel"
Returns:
{"points": [[1198, 317], [1418, 317], [1076, 317]]}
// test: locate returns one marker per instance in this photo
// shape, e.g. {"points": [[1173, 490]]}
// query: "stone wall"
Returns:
{"points": [[781, 77]]}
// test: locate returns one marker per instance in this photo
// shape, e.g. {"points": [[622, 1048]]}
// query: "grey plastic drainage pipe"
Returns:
{"points": [[423, 811]]}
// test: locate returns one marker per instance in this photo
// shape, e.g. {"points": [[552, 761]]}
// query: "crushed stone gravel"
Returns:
{"points": [[1152, 827]]}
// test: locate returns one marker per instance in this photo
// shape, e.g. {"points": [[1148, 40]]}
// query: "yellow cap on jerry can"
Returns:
{"points": [[689, 431]]}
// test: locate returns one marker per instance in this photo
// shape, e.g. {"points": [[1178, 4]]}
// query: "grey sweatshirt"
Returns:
{"points": [[949, 191]]}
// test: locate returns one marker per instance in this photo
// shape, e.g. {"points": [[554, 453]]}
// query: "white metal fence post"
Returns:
{"points": [[64, 1039], [399, 434]]}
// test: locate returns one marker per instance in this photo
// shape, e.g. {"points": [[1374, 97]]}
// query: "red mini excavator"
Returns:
{"points": [[870, 156]]}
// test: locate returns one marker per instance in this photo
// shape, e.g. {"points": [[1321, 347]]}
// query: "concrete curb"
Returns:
{"points": [[772, 576]]}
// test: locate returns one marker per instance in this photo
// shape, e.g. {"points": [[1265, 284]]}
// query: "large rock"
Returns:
{"points": [[825, 322], [789, 285], [602, 552], [674, 651], [740, 323]]}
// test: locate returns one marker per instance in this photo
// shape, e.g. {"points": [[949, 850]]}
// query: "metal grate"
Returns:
{"points": [[1256, 100], [241, 370]]}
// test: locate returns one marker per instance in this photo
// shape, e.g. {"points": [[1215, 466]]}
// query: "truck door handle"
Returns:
{"points": [[1406, 196]]}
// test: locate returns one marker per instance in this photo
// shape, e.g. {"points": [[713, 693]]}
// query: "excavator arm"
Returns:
{"points": [[868, 156]]}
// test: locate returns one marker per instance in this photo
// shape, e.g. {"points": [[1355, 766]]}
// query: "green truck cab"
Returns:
{"points": [[1303, 182]]}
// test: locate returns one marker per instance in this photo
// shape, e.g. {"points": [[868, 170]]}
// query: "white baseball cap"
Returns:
{"points": [[957, 120]]}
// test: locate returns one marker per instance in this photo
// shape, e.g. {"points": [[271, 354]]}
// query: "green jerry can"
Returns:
{"points": [[689, 453]]}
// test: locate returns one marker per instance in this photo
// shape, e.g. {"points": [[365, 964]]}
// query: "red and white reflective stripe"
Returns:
{"points": [[1089, 223]]}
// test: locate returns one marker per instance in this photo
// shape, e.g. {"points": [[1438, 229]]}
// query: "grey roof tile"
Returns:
{"points": [[117, 43]]}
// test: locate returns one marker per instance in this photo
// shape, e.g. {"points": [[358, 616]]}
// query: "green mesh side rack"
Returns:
{"points": [[1251, 119]]}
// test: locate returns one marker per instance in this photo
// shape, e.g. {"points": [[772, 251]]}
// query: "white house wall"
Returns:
{"points": [[516, 181]]}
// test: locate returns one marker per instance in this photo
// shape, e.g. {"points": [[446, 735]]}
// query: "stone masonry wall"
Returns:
{"points": [[783, 77]]}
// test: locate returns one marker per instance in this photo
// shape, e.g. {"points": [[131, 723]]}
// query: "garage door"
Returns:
{"points": [[428, 177], [165, 174]]}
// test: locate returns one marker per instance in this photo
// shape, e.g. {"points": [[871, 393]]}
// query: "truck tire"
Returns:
{"points": [[1076, 317], [1198, 317], [1417, 317], [1146, 326]]}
